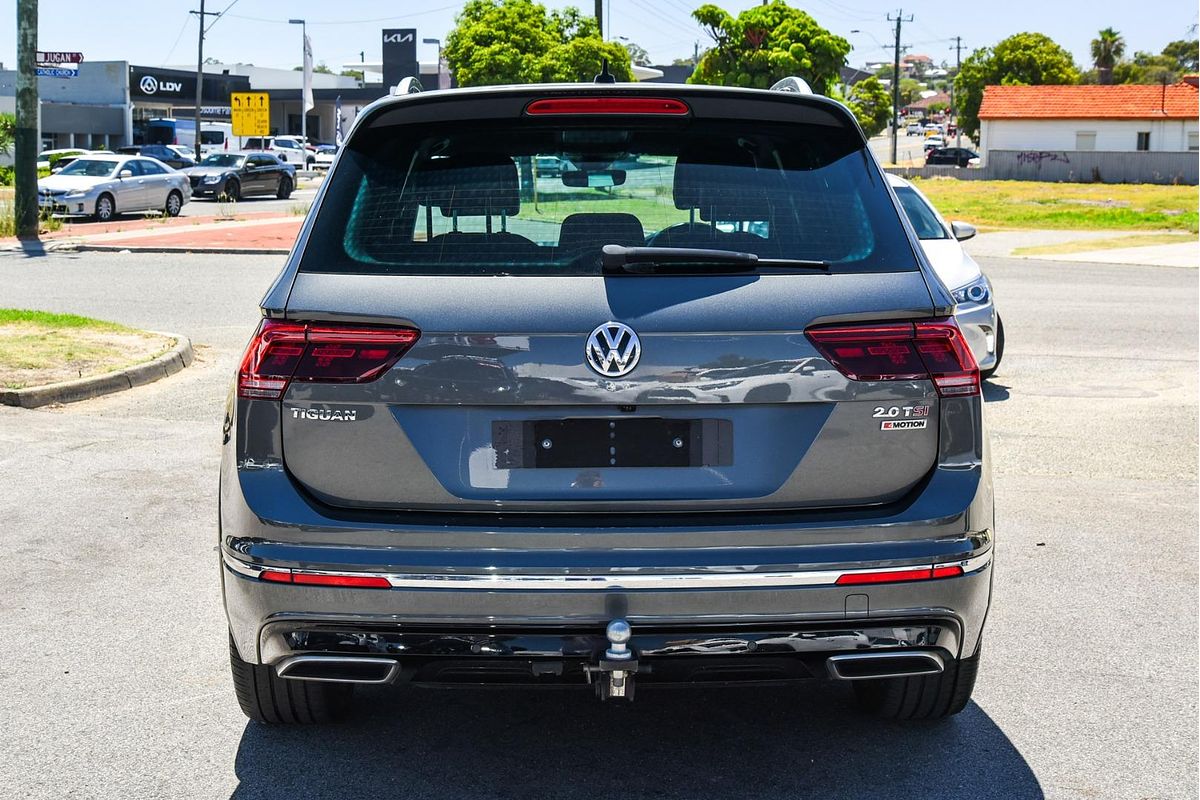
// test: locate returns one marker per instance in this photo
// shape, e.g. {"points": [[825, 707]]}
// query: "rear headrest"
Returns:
{"points": [[470, 185], [726, 191], [581, 231]]}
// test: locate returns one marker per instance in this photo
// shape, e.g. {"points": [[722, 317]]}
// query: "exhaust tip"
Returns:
{"points": [[338, 669], [871, 666]]}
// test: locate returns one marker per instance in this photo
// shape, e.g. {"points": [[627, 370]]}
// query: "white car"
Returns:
{"points": [[976, 310], [103, 186], [323, 159], [287, 149], [934, 143], [44, 158]]}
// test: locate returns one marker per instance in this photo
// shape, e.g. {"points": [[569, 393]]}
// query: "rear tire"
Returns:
{"points": [[924, 696], [285, 189], [271, 700], [987, 373], [174, 204]]}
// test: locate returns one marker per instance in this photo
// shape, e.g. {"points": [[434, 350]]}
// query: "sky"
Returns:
{"points": [[162, 32]]}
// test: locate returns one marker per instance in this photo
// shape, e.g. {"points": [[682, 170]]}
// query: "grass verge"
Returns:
{"points": [[1087, 245], [38, 347], [1079, 206]]}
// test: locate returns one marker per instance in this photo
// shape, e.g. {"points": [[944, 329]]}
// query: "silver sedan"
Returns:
{"points": [[103, 186], [976, 310]]}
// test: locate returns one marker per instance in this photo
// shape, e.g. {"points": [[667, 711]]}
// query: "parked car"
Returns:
{"points": [[173, 156], [103, 186], [238, 175], [579, 504], [323, 158], [913, 129], [299, 151], [287, 149], [934, 143], [956, 156], [976, 302], [51, 159]]}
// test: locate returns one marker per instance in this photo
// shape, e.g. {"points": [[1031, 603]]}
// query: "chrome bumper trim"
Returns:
{"points": [[592, 582]]}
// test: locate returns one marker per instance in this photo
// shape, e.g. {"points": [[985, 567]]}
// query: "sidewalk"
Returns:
{"points": [[261, 233], [1002, 244]]}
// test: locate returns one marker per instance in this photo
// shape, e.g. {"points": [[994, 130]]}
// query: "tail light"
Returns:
{"points": [[933, 350], [282, 352], [608, 105]]}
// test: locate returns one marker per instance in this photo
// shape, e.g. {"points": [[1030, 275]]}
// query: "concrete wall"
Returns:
{"points": [[1111, 135], [1073, 166]]}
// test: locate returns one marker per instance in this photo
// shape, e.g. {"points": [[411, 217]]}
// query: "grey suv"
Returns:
{"points": [[694, 410]]}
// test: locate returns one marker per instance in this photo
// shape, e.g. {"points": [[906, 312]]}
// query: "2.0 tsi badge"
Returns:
{"points": [[613, 349]]}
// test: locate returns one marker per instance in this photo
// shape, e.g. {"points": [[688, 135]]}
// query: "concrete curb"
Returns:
{"points": [[170, 362]]}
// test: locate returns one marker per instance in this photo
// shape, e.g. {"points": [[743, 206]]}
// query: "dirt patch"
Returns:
{"points": [[35, 355]]}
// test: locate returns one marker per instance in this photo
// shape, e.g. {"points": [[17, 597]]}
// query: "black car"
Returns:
{"points": [[956, 156], [160, 152], [236, 175]]}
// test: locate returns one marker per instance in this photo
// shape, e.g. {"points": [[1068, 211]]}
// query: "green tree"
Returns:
{"points": [[518, 41], [910, 91], [763, 44], [638, 54], [1107, 49], [1186, 54], [871, 104], [1024, 58], [1147, 68], [8, 127]]}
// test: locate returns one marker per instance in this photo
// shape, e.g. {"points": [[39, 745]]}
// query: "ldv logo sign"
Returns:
{"points": [[152, 85], [397, 38]]}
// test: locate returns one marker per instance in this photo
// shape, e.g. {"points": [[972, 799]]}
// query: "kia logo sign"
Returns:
{"points": [[152, 85], [397, 38]]}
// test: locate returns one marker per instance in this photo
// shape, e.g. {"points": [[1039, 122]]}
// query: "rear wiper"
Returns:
{"points": [[641, 260]]}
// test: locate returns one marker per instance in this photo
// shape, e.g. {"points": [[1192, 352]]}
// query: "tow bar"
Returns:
{"points": [[617, 666]]}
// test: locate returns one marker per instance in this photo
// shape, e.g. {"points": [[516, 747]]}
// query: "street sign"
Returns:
{"points": [[57, 72], [57, 57], [251, 112]]}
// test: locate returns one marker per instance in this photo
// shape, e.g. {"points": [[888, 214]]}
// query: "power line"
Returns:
{"points": [[353, 21], [171, 52]]}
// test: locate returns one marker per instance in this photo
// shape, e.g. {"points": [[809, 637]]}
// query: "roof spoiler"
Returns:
{"points": [[792, 84]]}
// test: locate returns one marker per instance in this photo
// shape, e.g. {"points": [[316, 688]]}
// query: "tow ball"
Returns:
{"points": [[616, 668]]}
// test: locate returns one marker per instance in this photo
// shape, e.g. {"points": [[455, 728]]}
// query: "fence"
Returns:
{"points": [[1073, 166]]}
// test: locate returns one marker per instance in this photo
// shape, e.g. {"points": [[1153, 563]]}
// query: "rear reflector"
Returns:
{"points": [[932, 350], [899, 575], [608, 105], [281, 352], [354, 581]]}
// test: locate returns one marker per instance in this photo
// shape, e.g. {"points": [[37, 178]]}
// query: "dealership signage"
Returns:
{"points": [[170, 86], [399, 55], [57, 63]]}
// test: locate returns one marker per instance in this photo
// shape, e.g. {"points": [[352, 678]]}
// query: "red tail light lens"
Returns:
{"points": [[608, 105], [898, 575], [282, 352], [933, 350], [308, 579]]}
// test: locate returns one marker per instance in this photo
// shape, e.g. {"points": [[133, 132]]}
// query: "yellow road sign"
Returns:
{"points": [[251, 113]]}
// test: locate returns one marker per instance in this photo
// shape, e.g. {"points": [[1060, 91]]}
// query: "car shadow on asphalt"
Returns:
{"points": [[806, 741]]}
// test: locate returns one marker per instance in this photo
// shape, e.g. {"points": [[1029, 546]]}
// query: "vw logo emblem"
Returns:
{"points": [[149, 84], [613, 349]]}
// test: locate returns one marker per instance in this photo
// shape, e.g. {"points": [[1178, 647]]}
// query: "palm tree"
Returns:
{"points": [[1107, 49]]}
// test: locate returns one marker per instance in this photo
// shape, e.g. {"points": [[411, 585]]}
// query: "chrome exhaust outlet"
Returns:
{"points": [[870, 666], [338, 669]]}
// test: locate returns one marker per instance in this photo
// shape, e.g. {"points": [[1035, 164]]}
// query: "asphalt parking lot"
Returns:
{"points": [[113, 673]]}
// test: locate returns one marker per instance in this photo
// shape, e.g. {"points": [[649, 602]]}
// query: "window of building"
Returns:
{"points": [[1085, 140], [1143, 140], [1194, 141]]}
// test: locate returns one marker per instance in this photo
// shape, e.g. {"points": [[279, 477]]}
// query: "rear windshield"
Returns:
{"points": [[519, 197]]}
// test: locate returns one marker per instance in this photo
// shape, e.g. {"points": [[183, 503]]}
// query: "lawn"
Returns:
{"points": [[1079, 206], [37, 347]]}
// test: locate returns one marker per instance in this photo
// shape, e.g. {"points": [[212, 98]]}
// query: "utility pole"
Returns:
{"points": [[957, 69], [600, 17], [201, 14], [25, 137], [898, 19]]}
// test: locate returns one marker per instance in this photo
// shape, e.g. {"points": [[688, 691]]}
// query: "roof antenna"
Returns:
{"points": [[605, 76]]}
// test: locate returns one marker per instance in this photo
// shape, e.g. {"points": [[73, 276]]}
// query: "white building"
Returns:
{"points": [[1125, 118]]}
